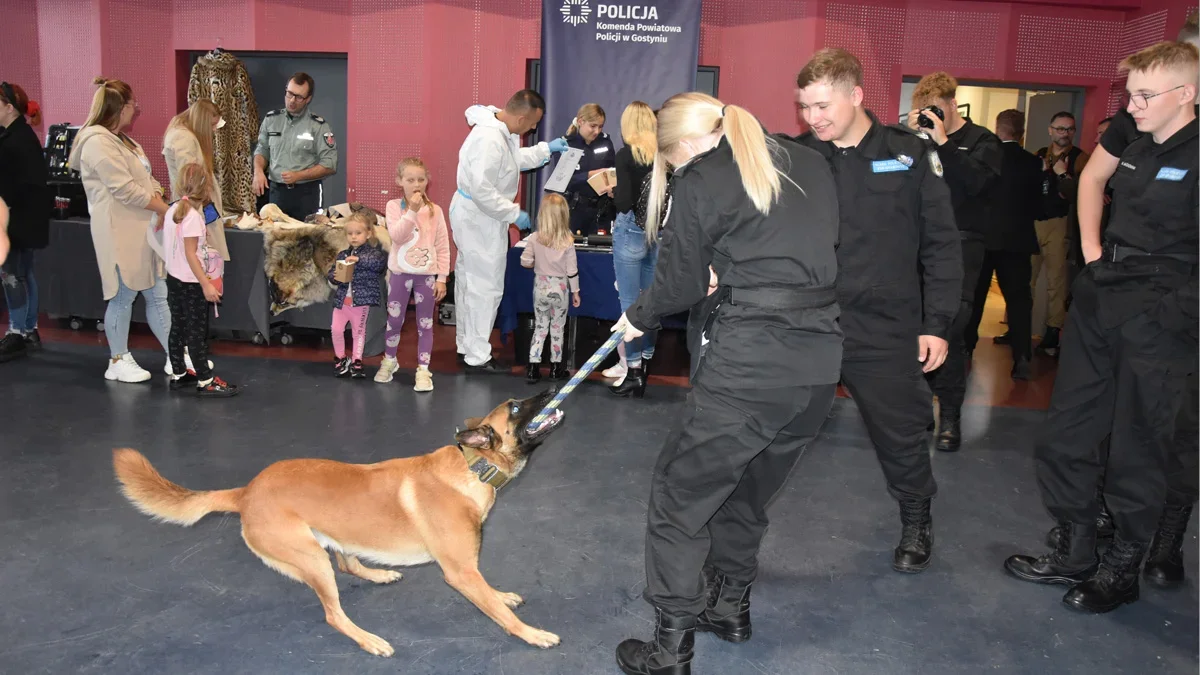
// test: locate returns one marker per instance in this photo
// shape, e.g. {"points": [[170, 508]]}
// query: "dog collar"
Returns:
{"points": [[486, 471]]}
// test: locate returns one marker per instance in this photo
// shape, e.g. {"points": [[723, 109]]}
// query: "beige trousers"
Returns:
{"points": [[1052, 238]]}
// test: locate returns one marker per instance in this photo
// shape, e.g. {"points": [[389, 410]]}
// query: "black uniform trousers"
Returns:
{"points": [[189, 326], [299, 200], [897, 407], [1013, 271], [1126, 377], [949, 382], [727, 456]]}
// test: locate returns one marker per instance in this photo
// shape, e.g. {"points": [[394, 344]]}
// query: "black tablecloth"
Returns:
{"points": [[69, 286]]}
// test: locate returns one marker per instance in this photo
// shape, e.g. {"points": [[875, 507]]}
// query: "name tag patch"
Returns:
{"points": [[888, 166], [1170, 173], [306, 136], [273, 133]]}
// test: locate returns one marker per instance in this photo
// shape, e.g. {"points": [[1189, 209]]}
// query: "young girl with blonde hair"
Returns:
{"points": [[353, 300], [550, 251]]}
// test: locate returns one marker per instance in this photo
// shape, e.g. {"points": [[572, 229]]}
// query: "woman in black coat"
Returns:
{"points": [[23, 187]]}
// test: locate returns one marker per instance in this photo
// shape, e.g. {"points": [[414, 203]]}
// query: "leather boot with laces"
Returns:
{"points": [[949, 437], [1104, 525], [1115, 582], [915, 551], [668, 653], [1164, 563], [1072, 560], [727, 614]]}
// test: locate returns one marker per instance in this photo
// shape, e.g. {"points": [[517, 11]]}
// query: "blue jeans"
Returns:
{"points": [[633, 261], [120, 312], [20, 291]]}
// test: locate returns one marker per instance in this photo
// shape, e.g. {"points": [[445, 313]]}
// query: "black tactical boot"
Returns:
{"points": [[915, 551], [533, 373], [1104, 522], [633, 385], [669, 653], [1164, 563], [1049, 343], [949, 437], [728, 612], [1114, 583], [1072, 560]]}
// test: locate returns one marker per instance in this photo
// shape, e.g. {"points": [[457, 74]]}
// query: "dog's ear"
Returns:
{"points": [[483, 437]]}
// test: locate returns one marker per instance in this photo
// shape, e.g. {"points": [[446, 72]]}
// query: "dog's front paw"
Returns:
{"points": [[511, 599], [376, 645], [388, 577], [540, 638]]}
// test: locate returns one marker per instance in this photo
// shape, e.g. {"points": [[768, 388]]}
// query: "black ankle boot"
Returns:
{"points": [[669, 653], [915, 551], [634, 384], [1072, 560], [1164, 562], [949, 437], [1115, 581], [533, 373], [727, 614], [558, 372]]}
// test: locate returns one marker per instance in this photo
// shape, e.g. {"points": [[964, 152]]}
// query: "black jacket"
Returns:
{"points": [[23, 186], [1017, 195], [711, 221], [631, 178], [900, 258], [972, 159], [599, 155]]}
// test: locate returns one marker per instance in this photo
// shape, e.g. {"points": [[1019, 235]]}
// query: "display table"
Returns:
{"points": [[69, 286]]}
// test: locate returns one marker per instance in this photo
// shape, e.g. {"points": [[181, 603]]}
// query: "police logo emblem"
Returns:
{"points": [[905, 160], [935, 163], [329, 139]]}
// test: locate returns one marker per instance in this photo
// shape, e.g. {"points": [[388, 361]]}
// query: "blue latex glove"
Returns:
{"points": [[523, 223], [558, 145]]}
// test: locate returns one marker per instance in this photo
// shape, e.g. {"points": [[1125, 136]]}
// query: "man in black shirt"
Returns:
{"points": [[972, 157], [1130, 343], [899, 277]]}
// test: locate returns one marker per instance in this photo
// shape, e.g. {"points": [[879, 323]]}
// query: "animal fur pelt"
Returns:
{"points": [[297, 263]]}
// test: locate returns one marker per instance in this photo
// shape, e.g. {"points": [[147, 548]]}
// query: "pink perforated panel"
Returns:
{"points": [[19, 49], [1139, 33], [875, 34], [69, 40], [302, 25], [205, 24], [387, 62], [1067, 47], [375, 168], [957, 40]]}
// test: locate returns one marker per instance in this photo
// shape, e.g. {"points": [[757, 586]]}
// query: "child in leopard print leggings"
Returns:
{"points": [[551, 253]]}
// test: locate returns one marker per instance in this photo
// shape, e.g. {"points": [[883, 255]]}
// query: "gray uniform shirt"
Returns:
{"points": [[295, 143]]}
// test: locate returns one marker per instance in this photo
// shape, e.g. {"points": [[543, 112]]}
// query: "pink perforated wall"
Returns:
{"points": [[19, 62]]}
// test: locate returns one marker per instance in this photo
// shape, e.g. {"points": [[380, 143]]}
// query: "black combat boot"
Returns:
{"points": [[1164, 563], [915, 551], [1072, 560], [949, 436], [533, 372], [633, 385], [727, 614], [669, 653], [1104, 522], [1114, 583], [1049, 343], [558, 372]]}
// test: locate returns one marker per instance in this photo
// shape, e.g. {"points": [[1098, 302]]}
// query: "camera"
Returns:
{"points": [[923, 121]]}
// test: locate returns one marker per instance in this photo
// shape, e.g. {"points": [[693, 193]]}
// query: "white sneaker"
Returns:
{"points": [[387, 368], [424, 380], [616, 372], [187, 364], [125, 369]]}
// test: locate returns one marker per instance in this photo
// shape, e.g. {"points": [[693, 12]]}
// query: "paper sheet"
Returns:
{"points": [[564, 170]]}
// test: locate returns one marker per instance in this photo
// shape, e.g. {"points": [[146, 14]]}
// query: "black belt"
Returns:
{"points": [[293, 186], [784, 298], [1115, 253]]}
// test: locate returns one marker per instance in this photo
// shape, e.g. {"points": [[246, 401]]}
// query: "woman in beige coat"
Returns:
{"points": [[189, 139], [124, 201]]}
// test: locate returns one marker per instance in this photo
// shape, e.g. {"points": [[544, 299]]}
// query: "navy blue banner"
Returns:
{"points": [[614, 54]]}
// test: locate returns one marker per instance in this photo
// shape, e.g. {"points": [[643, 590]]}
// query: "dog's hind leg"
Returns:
{"points": [[292, 550], [351, 565]]}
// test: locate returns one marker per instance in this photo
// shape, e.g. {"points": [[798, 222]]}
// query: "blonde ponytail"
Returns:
{"points": [[588, 112], [657, 198], [753, 156]]}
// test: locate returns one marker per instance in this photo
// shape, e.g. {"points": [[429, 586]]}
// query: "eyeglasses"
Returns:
{"points": [[294, 97], [1141, 101], [1064, 130]]}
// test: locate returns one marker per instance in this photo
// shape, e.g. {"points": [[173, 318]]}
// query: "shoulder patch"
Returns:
{"points": [[935, 163], [317, 118], [272, 112], [329, 139]]}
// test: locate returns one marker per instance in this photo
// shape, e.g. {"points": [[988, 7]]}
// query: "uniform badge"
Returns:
{"points": [[329, 139], [905, 160], [935, 163]]}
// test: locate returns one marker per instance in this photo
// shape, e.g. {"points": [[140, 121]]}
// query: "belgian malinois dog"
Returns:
{"points": [[398, 512]]}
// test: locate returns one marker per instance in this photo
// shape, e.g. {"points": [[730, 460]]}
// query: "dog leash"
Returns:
{"points": [[580, 375]]}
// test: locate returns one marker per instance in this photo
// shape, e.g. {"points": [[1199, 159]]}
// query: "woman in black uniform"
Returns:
{"points": [[749, 250], [587, 134]]}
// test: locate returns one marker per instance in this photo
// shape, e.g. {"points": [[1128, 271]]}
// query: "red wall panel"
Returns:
{"points": [[69, 48], [19, 49]]}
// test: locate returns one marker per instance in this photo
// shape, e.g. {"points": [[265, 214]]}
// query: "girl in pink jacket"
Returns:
{"points": [[419, 262]]}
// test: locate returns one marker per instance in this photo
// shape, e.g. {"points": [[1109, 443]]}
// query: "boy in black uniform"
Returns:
{"points": [[973, 158], [896, 220], [1130, 344]]}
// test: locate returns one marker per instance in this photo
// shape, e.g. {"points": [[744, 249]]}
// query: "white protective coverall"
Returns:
{"points": [[490, 163]]}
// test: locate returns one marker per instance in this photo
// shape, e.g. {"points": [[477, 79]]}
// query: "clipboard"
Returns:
{"points": [[567, 163]]}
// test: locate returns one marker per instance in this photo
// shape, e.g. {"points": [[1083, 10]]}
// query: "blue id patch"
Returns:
{"points": [[1169, 173], [888, 166]]}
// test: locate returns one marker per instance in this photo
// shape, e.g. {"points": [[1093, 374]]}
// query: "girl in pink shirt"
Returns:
{"points": [[551, 253], [419, 262]]}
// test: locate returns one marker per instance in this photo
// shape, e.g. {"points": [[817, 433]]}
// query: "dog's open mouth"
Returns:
{"points": [[536, 429]]}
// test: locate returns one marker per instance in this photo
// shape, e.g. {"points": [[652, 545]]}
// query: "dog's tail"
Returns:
{"points": [[156, 496]]}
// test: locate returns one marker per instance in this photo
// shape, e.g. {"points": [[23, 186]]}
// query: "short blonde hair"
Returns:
{"points": [[1181, 57], [836, 66], [554, 222], [366, 218], [934, 86]]}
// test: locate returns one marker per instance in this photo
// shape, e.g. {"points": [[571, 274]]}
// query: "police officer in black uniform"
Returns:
{"points": [[1129, 345], [296, 150], [749, 249], [899, 277], [587, 135], [973, 158]]}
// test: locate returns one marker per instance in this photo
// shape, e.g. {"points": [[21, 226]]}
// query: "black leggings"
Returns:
{"points": [[189, 326]]}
